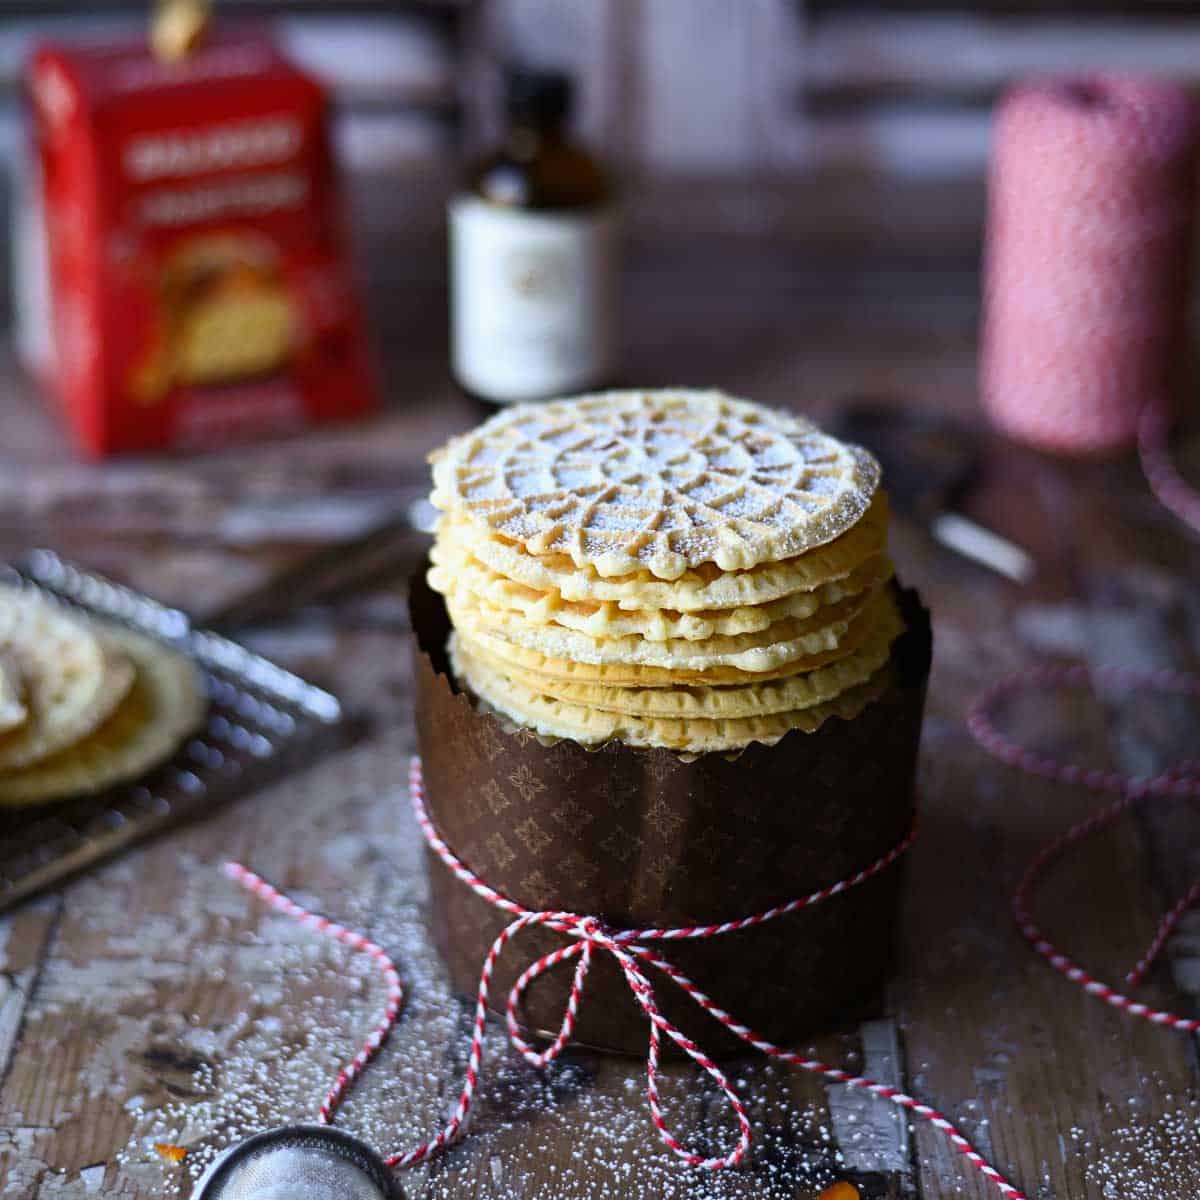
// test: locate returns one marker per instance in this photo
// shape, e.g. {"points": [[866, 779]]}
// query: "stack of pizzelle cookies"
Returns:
{"points": [[84, 704], [674, 569]]}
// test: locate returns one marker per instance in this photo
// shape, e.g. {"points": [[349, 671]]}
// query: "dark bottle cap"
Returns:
{"points": [[539, 96]]}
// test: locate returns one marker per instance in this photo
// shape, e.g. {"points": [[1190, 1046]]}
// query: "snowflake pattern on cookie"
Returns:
{"points": [[662, 481]]}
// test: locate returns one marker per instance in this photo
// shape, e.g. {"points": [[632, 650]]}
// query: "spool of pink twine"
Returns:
{"points": [[1087, 271]]}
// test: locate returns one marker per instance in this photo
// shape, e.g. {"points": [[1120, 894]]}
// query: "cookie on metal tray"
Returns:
{"points": [[73, 677], [164, 705]]}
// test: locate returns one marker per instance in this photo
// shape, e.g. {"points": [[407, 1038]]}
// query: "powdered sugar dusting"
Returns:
{"points": [[1146, 1157], [663, 481]]}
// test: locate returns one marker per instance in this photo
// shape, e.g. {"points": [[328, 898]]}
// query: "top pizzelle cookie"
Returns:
{"points": [[656, 480]]}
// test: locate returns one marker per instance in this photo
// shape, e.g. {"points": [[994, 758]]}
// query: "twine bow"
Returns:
{"points": [[589, 935]]}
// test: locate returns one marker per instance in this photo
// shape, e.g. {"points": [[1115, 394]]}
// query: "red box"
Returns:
{"points": [[198, 279]]}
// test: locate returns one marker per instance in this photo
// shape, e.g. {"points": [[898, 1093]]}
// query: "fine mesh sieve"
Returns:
{"points": [[299, 1162]]}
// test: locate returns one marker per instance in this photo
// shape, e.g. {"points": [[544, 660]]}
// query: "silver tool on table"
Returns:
{"points": [[299, 1162], [930, 462]]}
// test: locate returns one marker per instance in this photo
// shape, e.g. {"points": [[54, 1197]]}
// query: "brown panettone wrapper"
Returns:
{"points": [[641, 837]]}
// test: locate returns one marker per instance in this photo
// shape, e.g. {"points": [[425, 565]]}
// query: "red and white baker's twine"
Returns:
{"points": [[1182, 780], [1091, 200], [395, 990], [1170, 488], [625, 945], [1179, 781]]}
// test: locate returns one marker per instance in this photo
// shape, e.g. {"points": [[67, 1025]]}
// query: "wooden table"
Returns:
{"points": [[148, 990]]}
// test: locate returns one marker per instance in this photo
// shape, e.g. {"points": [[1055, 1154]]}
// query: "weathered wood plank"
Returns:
{"points": [[24, 939]]}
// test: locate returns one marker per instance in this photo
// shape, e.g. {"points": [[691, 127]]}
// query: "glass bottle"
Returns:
{"points": [[533, 257]]}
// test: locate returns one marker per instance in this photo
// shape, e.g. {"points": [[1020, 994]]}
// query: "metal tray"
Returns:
{"points": [[262, 721]]}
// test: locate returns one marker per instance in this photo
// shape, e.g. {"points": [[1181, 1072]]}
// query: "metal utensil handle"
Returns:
{"points": [[983, 546]]}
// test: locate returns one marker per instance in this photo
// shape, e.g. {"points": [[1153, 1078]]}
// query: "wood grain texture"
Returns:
{"points": [[131, 994]]}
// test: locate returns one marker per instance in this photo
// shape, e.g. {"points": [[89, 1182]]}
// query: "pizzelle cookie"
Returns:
{"points": [[591, 726], [674, 569], [99, 704], [493, 649], [73, 681], [165, 703], [705, 587], [662, 481], [801, 690], [13, 711], [455, 569], [780, 643]]}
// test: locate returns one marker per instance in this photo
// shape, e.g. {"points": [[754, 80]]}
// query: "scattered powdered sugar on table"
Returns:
{"points": [[1147, 1157], [261, 1070]]}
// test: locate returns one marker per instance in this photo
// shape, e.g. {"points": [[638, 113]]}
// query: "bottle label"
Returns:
{"points": [[532, 300]]}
